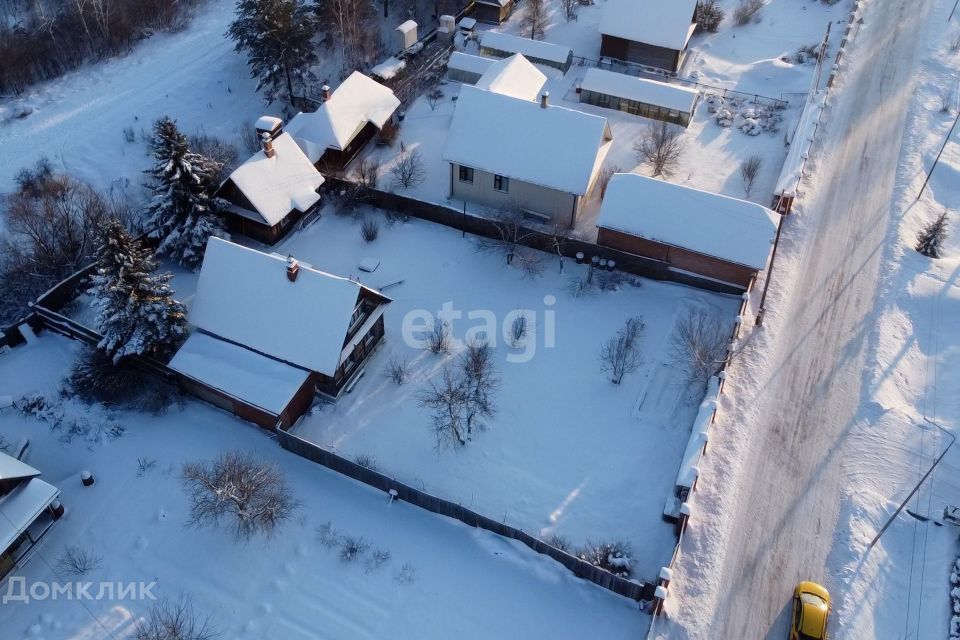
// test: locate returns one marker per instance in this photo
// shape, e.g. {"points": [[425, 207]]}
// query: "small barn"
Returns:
{"points": [[266, 195], [654, 33], [516, 154], [271, 332], [515, 77], [639, 96], [465, 68], [28, 509], [349, 118], [713, 236], [493, 11], [504, 45]]}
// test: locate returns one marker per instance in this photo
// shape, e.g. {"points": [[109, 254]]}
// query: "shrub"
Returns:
{"points": [[366, 461], [174, 621], [611, 556], [95, 378], [708, 16], [397, 369], [747, 11], [438, 340], [369, 230], [352, 547], [77, 561]]}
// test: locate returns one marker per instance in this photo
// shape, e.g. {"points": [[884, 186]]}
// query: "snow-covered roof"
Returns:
{"points": [[239, 372], [278, 185], [495, 3], [465, 62], [407, 27], [663, 23], [555, 147], [727, 228], [244, 296], [10, 467], [268, 123], [514, 76], [389, 68], [468, 23], [530, 48], [661, 94], [20, 507], [334, 125]]}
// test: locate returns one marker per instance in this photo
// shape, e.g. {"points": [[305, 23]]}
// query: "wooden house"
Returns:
{"points": [[28, 509], [266, 195], [493, 11], [653, 33], [272, 332], [713, 236], [346, 121]]}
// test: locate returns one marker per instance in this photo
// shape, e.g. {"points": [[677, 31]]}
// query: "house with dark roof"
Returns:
{"points": [[654, 33]]}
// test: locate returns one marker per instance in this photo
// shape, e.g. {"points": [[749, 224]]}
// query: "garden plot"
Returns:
{"points": [[441, 579], [567, 453]]}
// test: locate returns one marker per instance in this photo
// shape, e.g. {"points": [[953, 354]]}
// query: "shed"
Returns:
{"points": [[714, 236], [648, 32], [493, 11], [465, 68], [467, 24], [639, 96], [503, 45], [26, 514], [406, 34], [514, 77]]}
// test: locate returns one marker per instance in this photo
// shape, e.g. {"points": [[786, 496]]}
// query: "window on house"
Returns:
{"points": [[466, 175], [501, 183]]}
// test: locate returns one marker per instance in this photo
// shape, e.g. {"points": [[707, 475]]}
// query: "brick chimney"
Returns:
{"points": [[326, 92], [293, 269], [267, 143], [544, 99]]}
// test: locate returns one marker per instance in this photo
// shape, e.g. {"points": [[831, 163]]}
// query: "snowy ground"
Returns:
{"points": [[568, 452], [464, 582], [900, 313], [751, 63]]}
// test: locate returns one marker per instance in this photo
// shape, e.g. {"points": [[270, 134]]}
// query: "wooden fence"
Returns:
{"points": [[638, 591], [468, 222]]}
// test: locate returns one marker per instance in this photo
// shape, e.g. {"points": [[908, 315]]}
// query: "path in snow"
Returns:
{"points": [[792, 475]]}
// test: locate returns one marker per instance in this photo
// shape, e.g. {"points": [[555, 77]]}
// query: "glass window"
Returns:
{"points": [[501, 183], [466, 174]]}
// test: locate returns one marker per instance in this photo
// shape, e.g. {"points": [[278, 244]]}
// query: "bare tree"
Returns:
{"points": [[606, 174], [434, 96], [174, 621], [699, 345], [534, 18], [348, 27], [438, 338], [749, 170], [447, 400], [530, 262], [661, 145], [78, 561], [367, 173], [408, 171], [250, 494], [570, 8], [620, 354], [398, 370], [930, 239], [479, 380], [249, 137], [511, 234]]}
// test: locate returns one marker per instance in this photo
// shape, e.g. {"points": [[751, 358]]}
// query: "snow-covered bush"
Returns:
{"points": [[95, 378], [397, 369], [352, 547], [708, 16], [327, 535], [366, 461], [807, 54], [613, 556], [747, 11], [955, 599], [73, 420], [376, 559], [752, 118], [174, 621]]}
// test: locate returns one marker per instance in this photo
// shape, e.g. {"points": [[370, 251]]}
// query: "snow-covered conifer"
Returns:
{"points": [[930, 239]]}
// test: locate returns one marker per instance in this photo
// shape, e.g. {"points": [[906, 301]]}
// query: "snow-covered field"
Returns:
{"points": [[443, 579], [568, 452]]}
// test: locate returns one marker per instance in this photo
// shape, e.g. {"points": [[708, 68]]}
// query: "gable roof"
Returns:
{"points": [[534, 49], [661, 94], [336, 123], [244, 296], [20, 507], [465, 62], [555, 147], [11, 468], [514, 76], [727, 228], [278, 185], [663, 23]]}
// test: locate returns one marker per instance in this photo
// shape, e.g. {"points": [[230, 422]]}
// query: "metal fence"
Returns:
{"points": [[638, 591]]}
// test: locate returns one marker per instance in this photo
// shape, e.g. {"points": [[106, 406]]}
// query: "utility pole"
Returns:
{"points": [[919, 484], [930, 173]]}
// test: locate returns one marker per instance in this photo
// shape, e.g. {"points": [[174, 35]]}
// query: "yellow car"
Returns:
{"points": [[811, 609]]}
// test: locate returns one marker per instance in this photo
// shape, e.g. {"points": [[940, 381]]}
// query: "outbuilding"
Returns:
{"points": [[504, 45], [639, 96], [713, 236], [493, 11], [28, 509], [653, 33], [466, 68]]}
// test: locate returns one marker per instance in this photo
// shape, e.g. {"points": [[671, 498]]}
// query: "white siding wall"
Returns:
{"points": [[556, 204]]}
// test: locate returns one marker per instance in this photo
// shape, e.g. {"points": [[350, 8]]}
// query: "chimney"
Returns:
{"points": [[326, 92], [293, 268], [544, 99], [267, 142]]}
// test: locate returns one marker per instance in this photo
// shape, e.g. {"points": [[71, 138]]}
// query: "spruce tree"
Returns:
{"points": [[277, 36], [182, 213], [136, 311], [930, 239]]}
